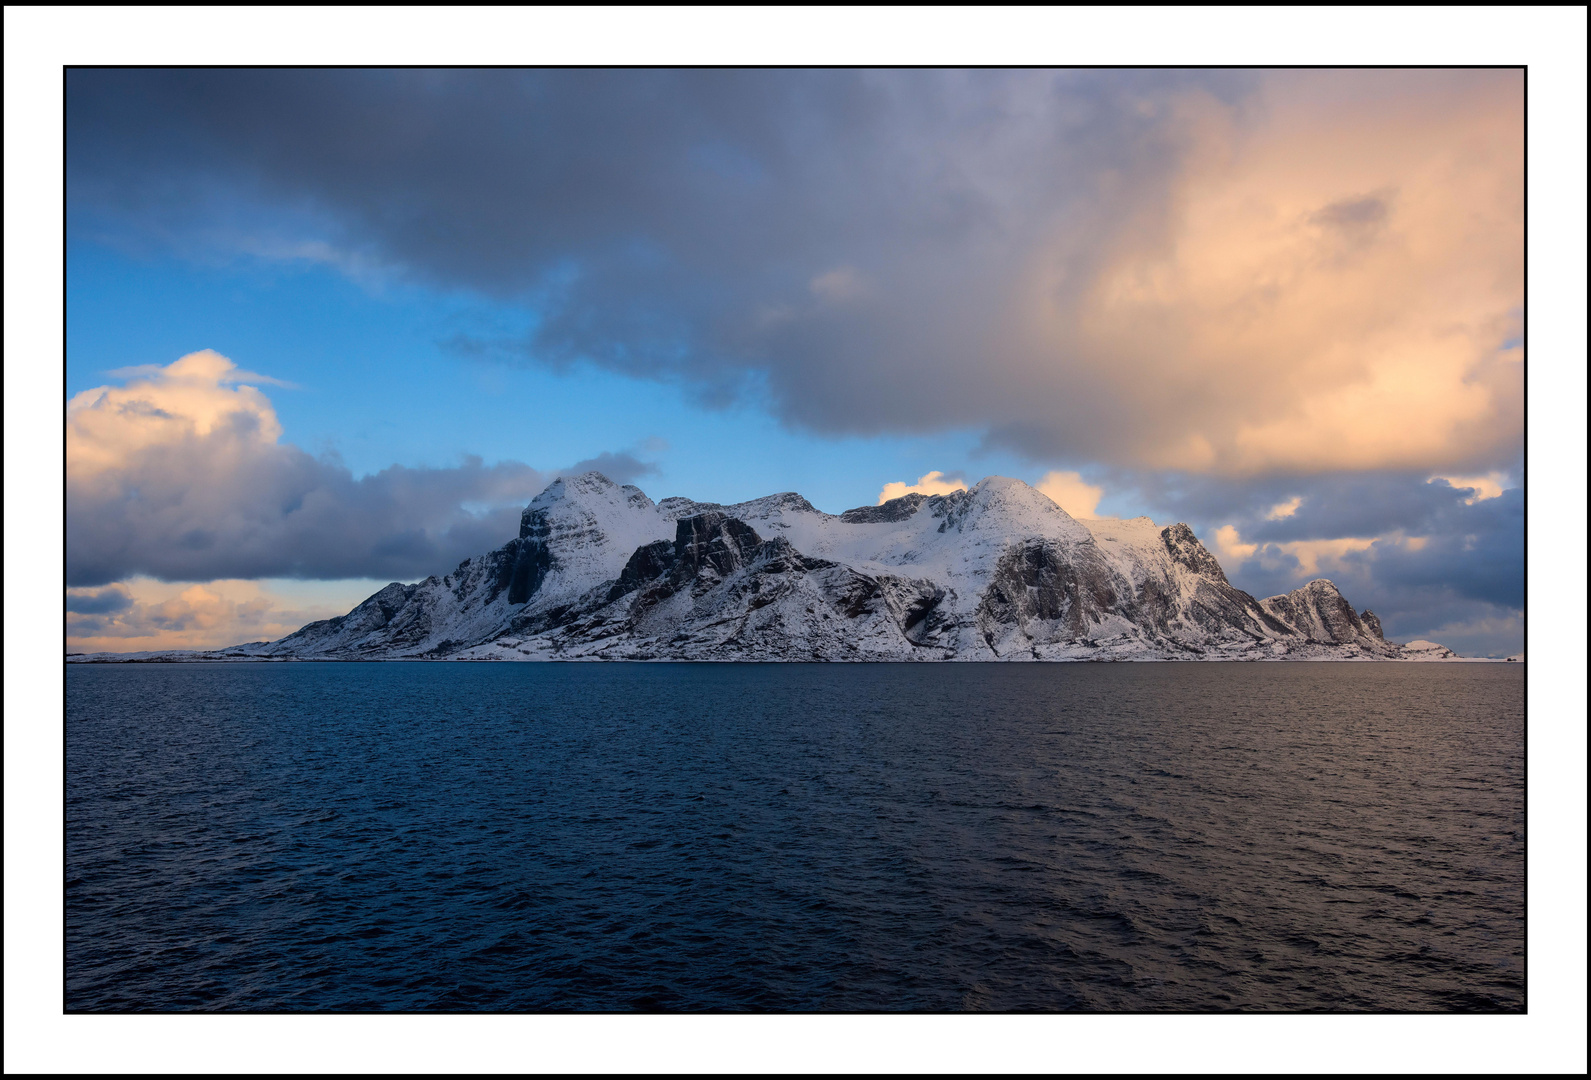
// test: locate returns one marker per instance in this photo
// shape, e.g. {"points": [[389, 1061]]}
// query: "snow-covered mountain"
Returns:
{"points": [[997, 572]]}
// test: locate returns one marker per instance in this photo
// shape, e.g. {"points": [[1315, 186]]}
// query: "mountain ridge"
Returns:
{"points": [[994, 572]]}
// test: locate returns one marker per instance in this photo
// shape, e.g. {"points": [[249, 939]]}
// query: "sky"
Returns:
{"points": [[328, 329]]}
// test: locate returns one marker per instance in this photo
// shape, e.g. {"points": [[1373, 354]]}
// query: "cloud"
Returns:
{"points": [[1475, 551], [1303, 559], [1235, 273], [1355, 217], [197, 609], [1423, 555], [1071, 493], [622, 467], [1498, 632], [182, 476], [148, 615], [224, 374], [840, 285], [1328, 506], [932, 483], [1285, 509], [1231, 547], [106, 601], [191, 398], [1489, 486]]}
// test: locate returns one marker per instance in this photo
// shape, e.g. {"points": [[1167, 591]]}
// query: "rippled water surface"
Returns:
{"points": [[795, 837]]}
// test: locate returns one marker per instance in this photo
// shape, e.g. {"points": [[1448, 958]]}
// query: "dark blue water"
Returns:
{"points": [[795, 837]]}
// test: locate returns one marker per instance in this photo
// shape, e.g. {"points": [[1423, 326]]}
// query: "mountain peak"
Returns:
{"points": [[589, 487], [1002, 504], [995, 482], [1185, 548], [585, 483], [1316, 588]]}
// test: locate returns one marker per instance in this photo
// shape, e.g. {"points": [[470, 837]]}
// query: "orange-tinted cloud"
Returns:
{"points": [[1489, 486], [1328, 283], [932, 483], [1072, 493], [144, 615], [191, 398]]}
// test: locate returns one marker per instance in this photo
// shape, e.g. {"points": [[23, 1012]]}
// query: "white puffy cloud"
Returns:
{"points": [[188, 400], [931, 483]]}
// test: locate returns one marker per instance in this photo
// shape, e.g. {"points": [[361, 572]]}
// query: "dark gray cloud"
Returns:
{"points": [[1329, 506], [1465, 566], [106, 601], [1473, 552], [512, 179], [622, 467], [222, 506]]}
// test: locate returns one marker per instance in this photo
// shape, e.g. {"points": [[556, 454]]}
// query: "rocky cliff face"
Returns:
{"points": [[998, 572], [1319, 612]]}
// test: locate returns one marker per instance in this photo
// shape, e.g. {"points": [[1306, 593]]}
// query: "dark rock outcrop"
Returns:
{"points": [[895, 510], [1186, 550], [1319, 613], [1049, 593]]}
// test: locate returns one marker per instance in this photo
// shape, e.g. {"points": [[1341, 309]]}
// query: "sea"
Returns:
{"points": [[463, 837]]}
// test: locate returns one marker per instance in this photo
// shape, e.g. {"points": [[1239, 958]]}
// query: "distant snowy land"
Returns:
{"points": [[998, 572]]}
